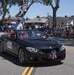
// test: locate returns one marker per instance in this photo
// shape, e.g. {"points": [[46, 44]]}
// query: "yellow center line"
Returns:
{"points": [[25, 71], [30, 71]]}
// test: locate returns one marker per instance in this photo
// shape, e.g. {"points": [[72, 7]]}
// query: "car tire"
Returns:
{"points": [[21, 56]]}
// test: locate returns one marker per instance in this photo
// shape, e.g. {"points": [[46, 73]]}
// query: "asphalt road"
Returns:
{"points": [[64, 68], [10, 65]]}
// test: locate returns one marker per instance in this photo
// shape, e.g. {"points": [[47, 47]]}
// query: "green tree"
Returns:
{"points": [[55, 5], [5, 5]]}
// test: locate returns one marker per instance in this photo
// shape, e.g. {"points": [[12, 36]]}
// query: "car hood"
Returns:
{"points": [[43, 43]]}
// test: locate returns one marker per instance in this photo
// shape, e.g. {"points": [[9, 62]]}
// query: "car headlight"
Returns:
{"points": [[32, 49], [62, 47]]}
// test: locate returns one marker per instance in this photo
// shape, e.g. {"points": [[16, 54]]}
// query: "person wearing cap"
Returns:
{"points": [[18, 25]]}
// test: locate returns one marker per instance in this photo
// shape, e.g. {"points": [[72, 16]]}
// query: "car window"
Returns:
{"points": [[30, 34], [35, 34], [22, 34]]}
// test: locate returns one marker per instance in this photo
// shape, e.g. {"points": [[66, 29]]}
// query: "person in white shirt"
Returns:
{"points": [[18, 25]]}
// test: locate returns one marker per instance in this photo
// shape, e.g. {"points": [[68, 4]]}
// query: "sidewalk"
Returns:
{"points": [[65, 41]]}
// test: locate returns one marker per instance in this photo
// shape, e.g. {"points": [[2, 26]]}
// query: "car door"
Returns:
{"points": [[11, 44], [4, 41], [7, 44]]}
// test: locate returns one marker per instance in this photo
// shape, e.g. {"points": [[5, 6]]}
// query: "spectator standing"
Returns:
{"points": [[70, 33]]}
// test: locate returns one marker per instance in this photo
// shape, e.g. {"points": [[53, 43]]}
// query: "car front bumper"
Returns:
{"points": [[38, 57]]}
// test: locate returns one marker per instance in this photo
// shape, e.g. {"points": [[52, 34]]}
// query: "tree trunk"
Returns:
{"points": [[3, 16], [54, 19]]}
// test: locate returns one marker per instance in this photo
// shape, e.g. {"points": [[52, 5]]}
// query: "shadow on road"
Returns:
{"points": [[15, 61], [12, 59], [47, 64]]}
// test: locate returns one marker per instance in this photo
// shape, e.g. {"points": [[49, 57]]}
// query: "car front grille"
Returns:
{"points": [[49, 50]]}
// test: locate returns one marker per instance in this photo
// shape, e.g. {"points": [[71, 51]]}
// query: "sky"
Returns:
{"points": [[37, 9]]}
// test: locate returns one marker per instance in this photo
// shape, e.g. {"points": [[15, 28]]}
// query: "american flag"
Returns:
{"points": [[54, 56]]}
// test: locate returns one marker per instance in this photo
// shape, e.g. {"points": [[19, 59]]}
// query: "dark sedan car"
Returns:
{"points": [[32, 46]]}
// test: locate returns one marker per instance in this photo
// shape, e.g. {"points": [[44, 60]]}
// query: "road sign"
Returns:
{"points": [[23, 19]]}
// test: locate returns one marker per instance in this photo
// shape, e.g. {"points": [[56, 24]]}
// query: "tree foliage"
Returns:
{"points": [[52, 3], [5, 5]]}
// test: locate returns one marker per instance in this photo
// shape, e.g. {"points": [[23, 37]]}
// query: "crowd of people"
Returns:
{"points": [[64, 32]]}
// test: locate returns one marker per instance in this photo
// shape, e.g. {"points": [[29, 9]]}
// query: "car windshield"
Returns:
{"points": [[30, 34]]}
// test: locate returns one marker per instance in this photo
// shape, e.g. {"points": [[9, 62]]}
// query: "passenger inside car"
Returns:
{"points": [[23, 35], [13, 34]]}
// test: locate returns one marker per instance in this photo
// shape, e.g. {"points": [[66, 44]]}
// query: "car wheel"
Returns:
{"points": [[21, 56]]}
